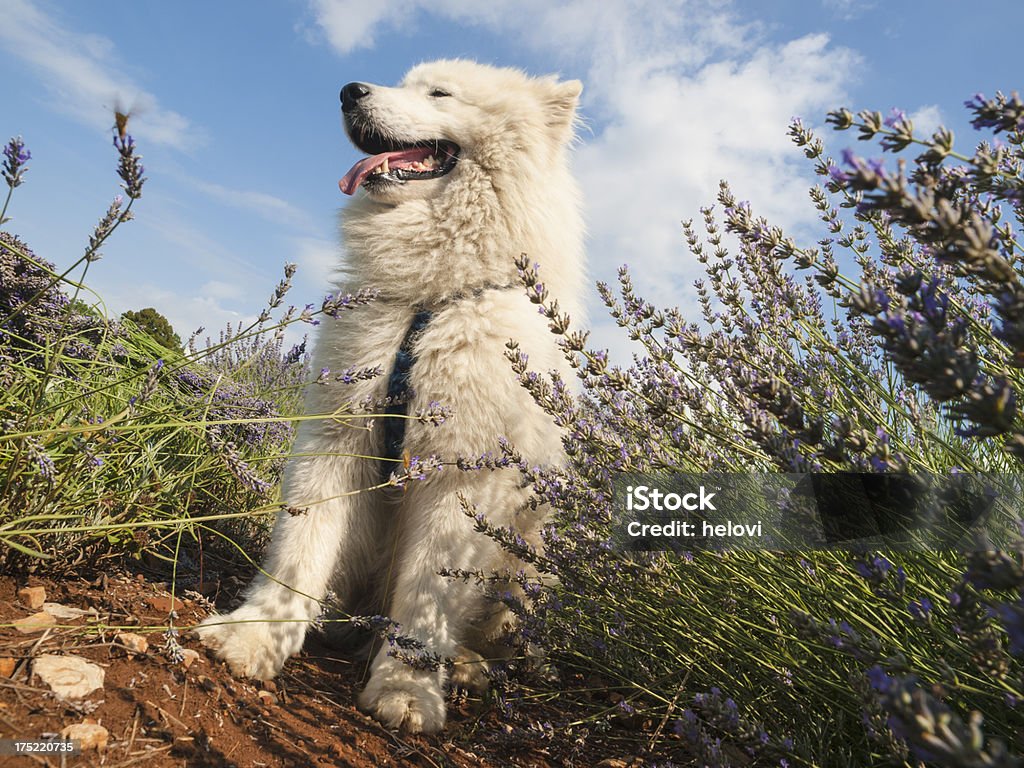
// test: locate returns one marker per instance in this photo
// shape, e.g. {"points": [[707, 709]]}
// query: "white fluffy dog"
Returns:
{"points": [[467, 168]]}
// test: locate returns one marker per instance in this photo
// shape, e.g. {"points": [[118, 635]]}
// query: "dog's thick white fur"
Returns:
{"points": [[446, 244]]}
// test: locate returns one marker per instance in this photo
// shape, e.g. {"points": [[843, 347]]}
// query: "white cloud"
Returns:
{"points": [[349, 24], [683, 94], [195, 250], [211, 306], [186, 312], [81, 72], [848, 10], [265, 205], [664, 150], [318, 262], [926, 120], [218, 289], [661, 31]]}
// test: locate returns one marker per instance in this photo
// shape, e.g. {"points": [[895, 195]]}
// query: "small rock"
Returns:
{"points": [[89, 735], [7, 665], [267, 698], [189, 657], [164, 603], [70, 677], [269, 685], [37, 622], [33, 597], [133, 642]]}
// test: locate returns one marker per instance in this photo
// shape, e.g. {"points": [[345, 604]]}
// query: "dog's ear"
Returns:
{"points": [[561, 101]]}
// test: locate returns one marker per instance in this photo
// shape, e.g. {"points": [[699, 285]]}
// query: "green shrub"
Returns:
{"points": [[114, 440]]}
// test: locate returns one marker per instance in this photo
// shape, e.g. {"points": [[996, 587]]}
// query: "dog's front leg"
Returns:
{"points": [[324, 539], [436, 534]]}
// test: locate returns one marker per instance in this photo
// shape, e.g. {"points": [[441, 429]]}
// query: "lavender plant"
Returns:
{"points": [[894, 343], [110, 443]]}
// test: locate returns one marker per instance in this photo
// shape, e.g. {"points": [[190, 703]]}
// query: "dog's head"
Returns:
{"points": [[447, 113]]}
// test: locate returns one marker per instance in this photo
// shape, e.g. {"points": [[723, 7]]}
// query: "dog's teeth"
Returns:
{"points": [[384, 166]]}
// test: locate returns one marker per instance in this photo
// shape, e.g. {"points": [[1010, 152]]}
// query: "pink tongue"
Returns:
{"points": [[351, 181]]}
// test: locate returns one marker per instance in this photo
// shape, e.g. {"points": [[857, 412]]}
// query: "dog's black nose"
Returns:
{"points": [[352, 93]]}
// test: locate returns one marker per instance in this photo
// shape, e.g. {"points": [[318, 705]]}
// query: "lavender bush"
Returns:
{"points": [[112, 444], [909, 356]]}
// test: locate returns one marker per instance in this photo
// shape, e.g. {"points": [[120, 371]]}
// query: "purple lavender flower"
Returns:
{"points": [[920, 609], [130, 167], [1012, 617], [16, 155], [895, 116], [1001, 114]]}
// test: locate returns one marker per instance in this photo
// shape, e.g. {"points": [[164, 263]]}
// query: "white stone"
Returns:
{"points": [[70, 677], [59, 611], [133, 642], [89, 735]]}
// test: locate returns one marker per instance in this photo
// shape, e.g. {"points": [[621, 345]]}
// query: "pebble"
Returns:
{"points": [[189, 657], [70, 677], [33, 597], [59, 611], [133, 642], [89, 735], [37, 622]]}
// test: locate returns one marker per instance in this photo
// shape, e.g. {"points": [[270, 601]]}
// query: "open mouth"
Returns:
{"points": [[398, 162]]}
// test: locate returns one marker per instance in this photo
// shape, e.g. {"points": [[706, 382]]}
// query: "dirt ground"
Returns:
{"points": [[158, 712]]}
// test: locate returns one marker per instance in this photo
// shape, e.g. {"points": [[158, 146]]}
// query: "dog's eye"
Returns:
{"points": [[439, 93]]}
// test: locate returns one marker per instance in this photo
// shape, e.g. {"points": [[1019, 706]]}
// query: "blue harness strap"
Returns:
{"points": [[399, 394]]}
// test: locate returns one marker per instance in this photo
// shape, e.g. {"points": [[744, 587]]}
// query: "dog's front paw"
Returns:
{"points": [[470, 672], [251, 644], [405, 699]]}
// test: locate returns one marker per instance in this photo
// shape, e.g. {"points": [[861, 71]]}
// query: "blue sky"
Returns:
{"points": [[236, 113]]}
